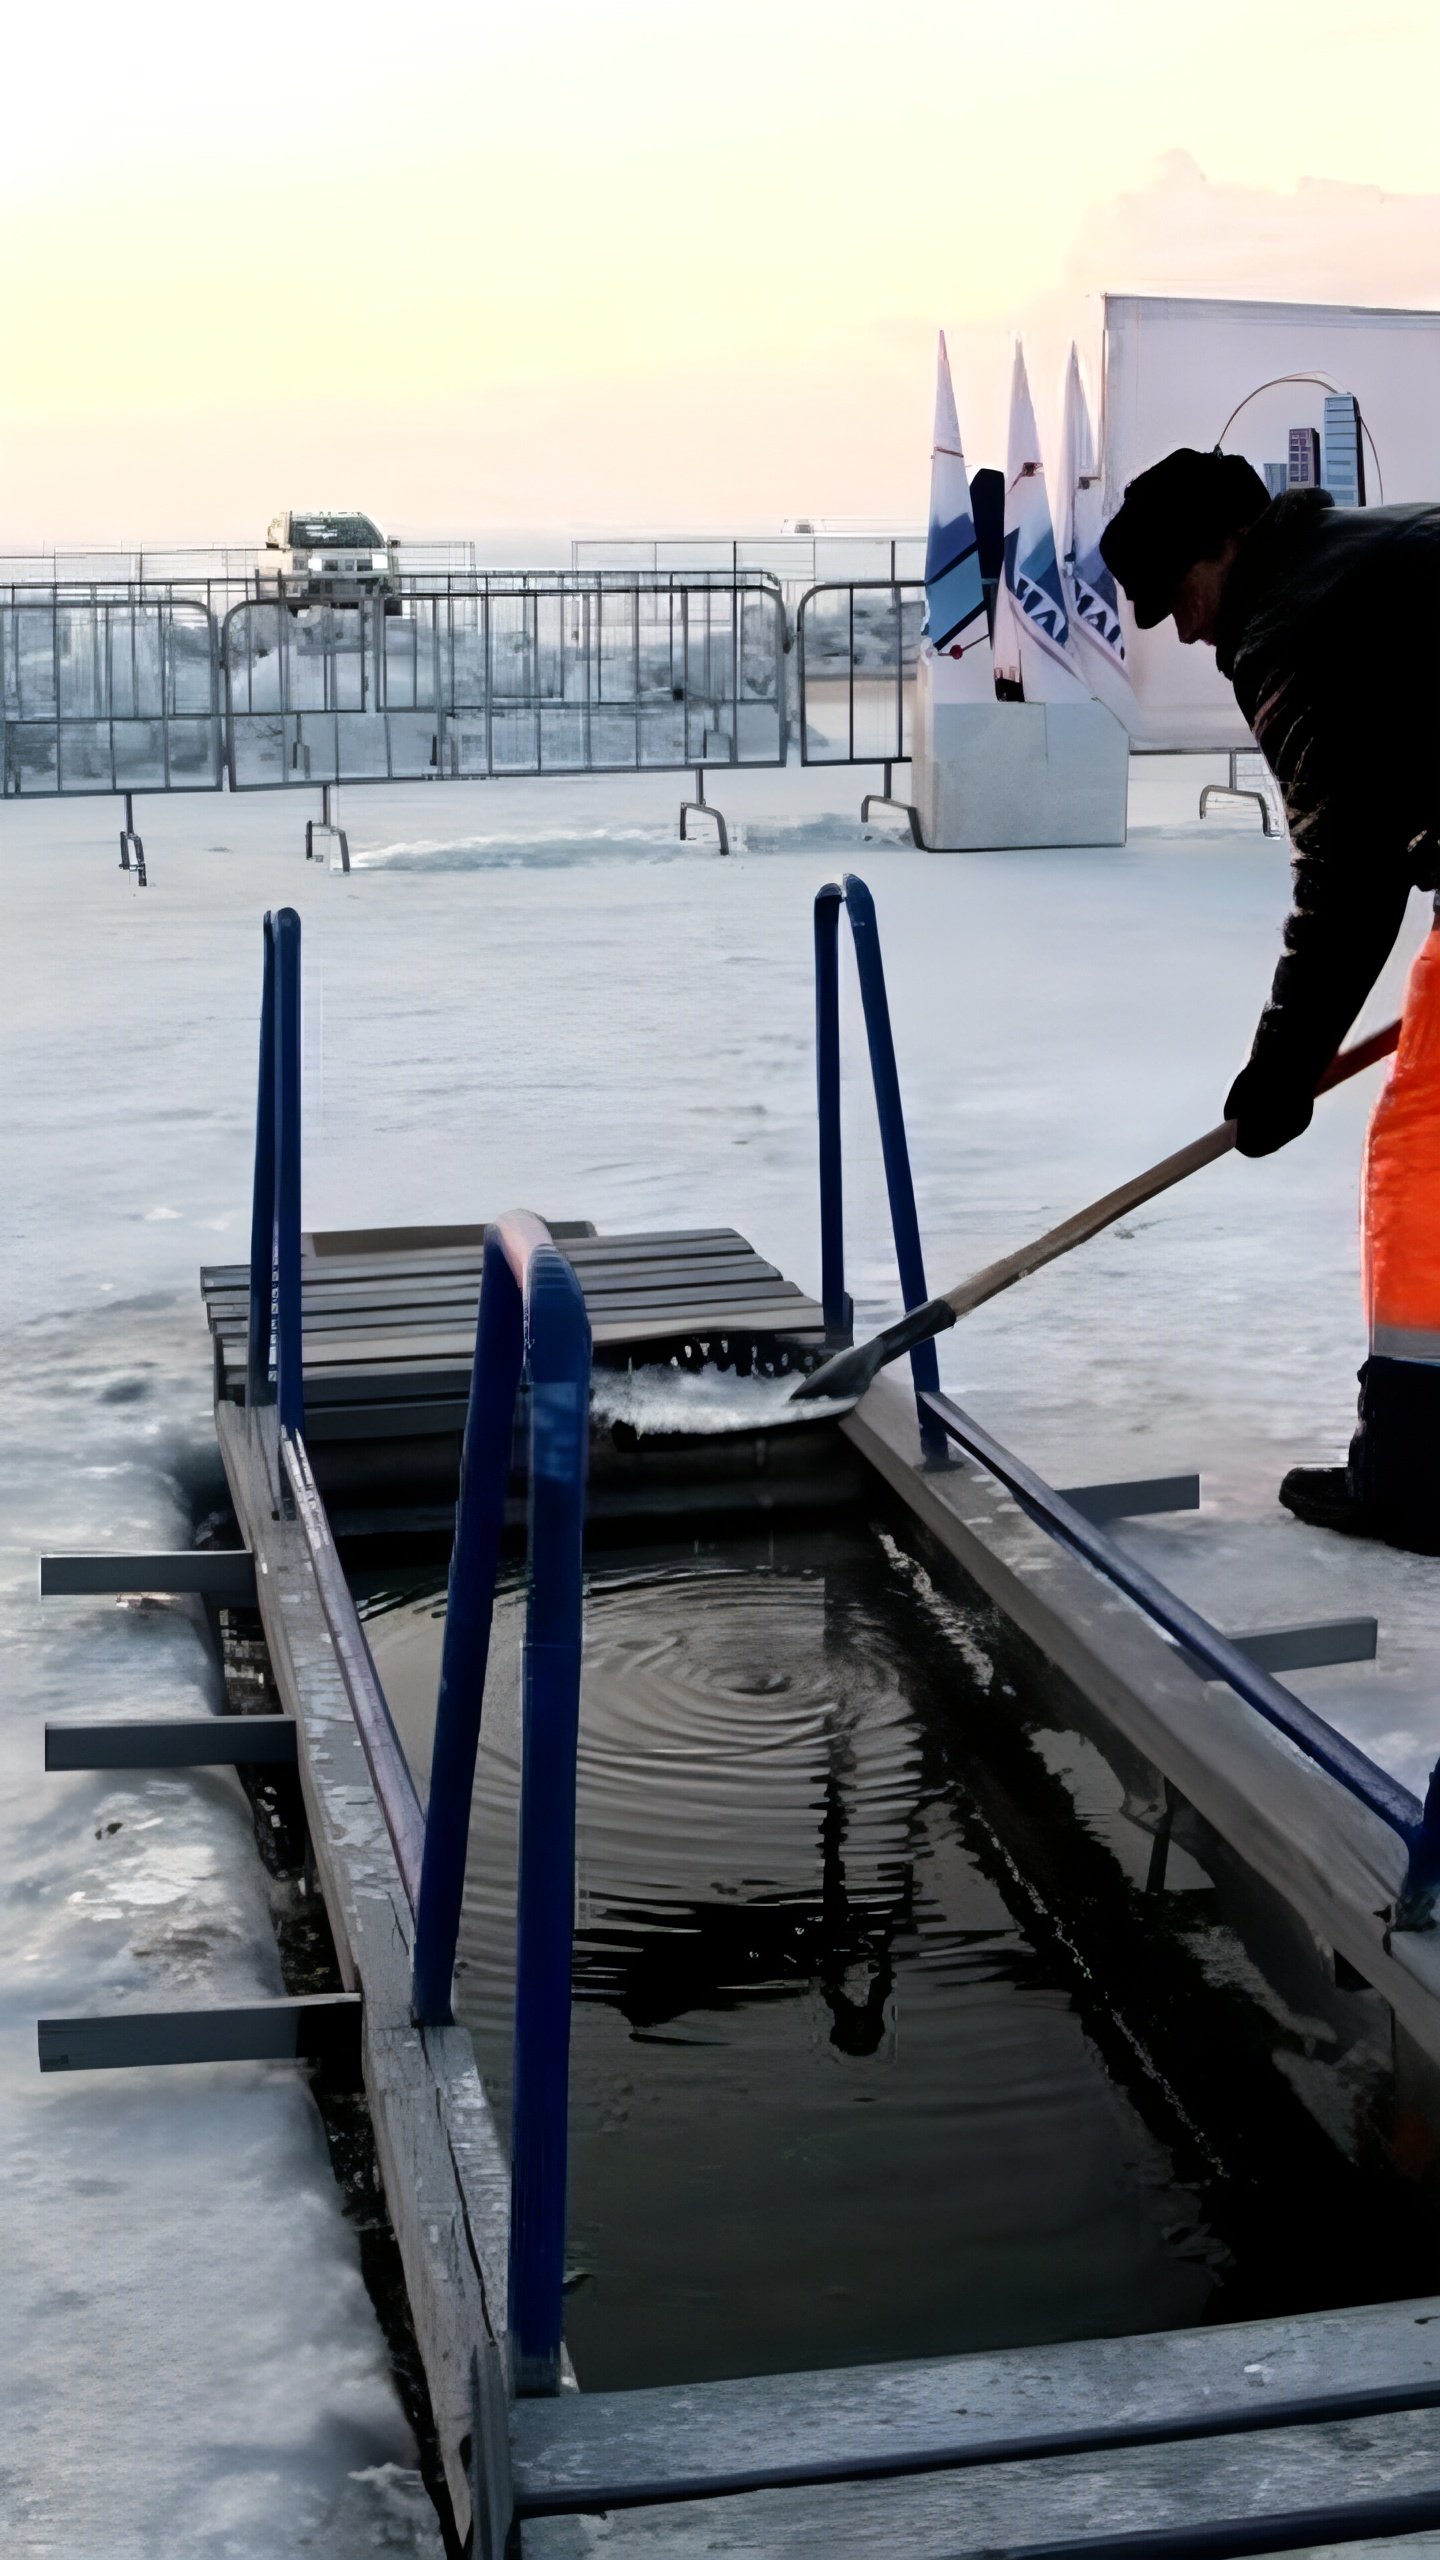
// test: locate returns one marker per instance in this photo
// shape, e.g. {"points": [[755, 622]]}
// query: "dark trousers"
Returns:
{"points": [[1395, 1454]]}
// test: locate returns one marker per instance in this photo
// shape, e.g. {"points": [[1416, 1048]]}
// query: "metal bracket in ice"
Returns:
{"points": [[173, 1742], [221, 1573], [1132, 1497], [1302, 1648], [322, 2026]]}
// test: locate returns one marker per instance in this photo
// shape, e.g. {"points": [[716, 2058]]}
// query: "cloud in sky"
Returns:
{"points": [[576, 265], [1321, 240]]}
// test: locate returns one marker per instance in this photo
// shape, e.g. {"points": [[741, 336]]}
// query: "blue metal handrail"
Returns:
{"points": [[275, 1378], [532, 1322], [1416, 1824], [274, 1365], [853, 895], [941, 1421]]}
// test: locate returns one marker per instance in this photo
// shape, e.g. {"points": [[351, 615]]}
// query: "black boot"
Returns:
{"points": [[1390, 1488], [1322, 1496], [1394, 1466]]}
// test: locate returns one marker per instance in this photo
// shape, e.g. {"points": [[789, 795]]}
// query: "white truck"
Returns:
{"points": [[315, 557]]}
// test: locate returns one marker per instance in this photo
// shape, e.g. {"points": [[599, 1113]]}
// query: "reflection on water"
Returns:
{"points": [[828, 2103]]}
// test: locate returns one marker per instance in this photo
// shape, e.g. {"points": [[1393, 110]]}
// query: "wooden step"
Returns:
{"points": [[609, 2449]]}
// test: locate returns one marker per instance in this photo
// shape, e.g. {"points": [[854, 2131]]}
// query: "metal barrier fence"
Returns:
{"points": [[511, 673], [856, 647], [507, 672], [503, 679], [107, 695]]}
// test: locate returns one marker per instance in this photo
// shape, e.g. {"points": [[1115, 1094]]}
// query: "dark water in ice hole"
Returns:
{"points": [[846, 2082]]}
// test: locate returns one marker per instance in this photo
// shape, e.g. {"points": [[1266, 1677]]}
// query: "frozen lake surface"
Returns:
{"points": [[534, 994]]}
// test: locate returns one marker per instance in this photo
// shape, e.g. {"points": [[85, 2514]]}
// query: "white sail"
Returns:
{"points": [[1089, 588], [1032, 627], [956, 627]]}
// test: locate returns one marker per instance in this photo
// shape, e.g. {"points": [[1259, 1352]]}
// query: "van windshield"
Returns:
{"points": [[351, 532]]}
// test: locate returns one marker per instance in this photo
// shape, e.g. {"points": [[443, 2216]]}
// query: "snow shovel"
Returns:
{"points": [[850, 1372]]}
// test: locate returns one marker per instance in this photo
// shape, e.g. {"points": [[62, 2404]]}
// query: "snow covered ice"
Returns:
{"points": [[533, 994]]}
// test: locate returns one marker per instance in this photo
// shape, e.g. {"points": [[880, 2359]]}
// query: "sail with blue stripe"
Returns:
{"points": [[956, 642], [1090, 595], [954, 596], [1032, 625]]}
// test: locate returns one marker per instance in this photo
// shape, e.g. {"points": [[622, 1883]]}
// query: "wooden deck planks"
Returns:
{"points": [[614, 2447], [1302, 2477], [398, 1322]]}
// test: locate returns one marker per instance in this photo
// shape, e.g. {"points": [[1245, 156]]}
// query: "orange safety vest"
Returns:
{"points": [[1401, 1202]]}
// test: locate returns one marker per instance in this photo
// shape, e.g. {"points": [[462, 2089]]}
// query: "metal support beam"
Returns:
{"points": [[222, 1573], [1235, 789], [700, 807], [131, 843], [1133, 1498], [323, 2026], [327, 824], [150, 1742], [886, 799]]}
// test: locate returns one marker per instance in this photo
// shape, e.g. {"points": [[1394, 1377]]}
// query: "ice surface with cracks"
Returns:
{"points": [[531, 993]]}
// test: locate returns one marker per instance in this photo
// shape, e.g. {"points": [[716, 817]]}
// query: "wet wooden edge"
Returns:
{"points": [[446, 2183], [1333, 1860]]}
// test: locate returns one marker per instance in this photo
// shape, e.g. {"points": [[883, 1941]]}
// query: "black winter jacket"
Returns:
{"points": [[1329, 628]]}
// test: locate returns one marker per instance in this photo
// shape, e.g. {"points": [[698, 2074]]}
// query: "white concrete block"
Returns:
{"points": [[1016, 773]]}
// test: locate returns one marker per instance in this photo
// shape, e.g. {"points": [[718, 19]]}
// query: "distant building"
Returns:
{"points": [[1304, 472], [1277, 478], [1344, 450]]}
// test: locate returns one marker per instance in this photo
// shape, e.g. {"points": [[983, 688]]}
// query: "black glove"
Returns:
{"points": [[1268, 1109]]}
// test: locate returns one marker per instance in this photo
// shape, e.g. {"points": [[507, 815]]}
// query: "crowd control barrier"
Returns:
{"points": [[107, 694], [496, 679], [477, 677], [856, 649]]}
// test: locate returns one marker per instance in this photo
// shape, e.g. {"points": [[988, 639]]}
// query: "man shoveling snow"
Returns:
{"points": [[1327, 622]]}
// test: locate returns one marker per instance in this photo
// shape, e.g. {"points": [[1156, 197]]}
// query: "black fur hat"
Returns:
{"points": [[1179, 511]]}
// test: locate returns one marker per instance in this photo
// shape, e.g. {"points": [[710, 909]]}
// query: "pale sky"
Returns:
{"points": [[642, 265]]}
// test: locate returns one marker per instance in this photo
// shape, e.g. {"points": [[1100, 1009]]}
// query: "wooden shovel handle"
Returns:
{"points": [[1141, 1187]]}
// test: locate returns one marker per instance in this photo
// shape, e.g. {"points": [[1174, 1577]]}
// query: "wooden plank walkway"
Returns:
{"points": [[388, 1315], [609, 2449], [1290, 2488]]}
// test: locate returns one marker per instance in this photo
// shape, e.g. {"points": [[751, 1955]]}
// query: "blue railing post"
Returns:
{"points": [[532, 1321], [899, 1182], [559, 1344], [479, 1527], [839, 1313], [289, 1348], [1422, 1881], [852, 893], [262, 1199]]}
